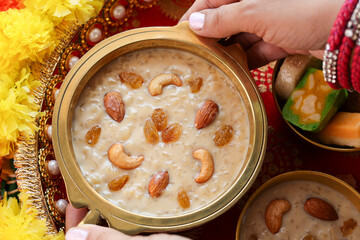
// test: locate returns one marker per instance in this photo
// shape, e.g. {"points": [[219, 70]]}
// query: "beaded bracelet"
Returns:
{"points": [[355, 69], [347, 44], [334, 43], [355, 64]]}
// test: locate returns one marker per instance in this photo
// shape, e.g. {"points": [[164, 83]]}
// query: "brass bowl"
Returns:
{"points": [[330, 181], [307, 136], [231, 60]]}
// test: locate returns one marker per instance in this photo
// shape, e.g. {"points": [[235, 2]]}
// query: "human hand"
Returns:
{"points": [[267, 29], [94, 232]]}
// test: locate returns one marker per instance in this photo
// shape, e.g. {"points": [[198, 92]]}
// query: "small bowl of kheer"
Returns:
{"points": [[157, 129], [302, 205], [325, 117]]}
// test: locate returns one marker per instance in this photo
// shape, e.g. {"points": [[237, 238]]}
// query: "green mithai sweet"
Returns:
{"points": [[313, 103]]}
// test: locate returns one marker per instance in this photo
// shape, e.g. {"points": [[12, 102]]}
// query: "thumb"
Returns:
{"points": [[223, 21], [94, 232]]}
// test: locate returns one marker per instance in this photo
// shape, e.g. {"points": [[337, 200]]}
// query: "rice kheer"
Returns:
{"points": [[176, 158], [298, 223]]}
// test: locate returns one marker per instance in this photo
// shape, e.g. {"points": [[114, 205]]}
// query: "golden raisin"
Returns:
{"points": [[348, 227], [118, 183], [195, 84], [150, 131], [171, 133], [309, 237], [223, 135], [159, 118], [253, 237], [92, 136], [183, 199], [134, 80]]}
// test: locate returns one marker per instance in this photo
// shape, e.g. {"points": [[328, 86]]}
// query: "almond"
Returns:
{"points": [[158, 183], [114, 105], [320, 209], [274, 213], [206, 114]]}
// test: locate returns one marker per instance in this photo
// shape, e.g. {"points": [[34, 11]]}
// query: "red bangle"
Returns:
{"points": [[334, 42], [343, 67], [338, 30], [355, 69]]}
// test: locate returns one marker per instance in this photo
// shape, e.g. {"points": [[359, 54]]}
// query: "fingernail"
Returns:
{"points": [[76, 234], [197, 21]]}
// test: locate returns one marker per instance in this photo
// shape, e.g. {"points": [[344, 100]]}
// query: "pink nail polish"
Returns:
{"points": [[76, 234], [197, 21]]}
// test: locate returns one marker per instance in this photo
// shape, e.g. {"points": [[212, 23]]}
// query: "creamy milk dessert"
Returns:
{"points": [[181, 106], [297, 224]]}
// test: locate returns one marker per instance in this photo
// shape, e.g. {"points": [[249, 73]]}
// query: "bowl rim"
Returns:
{"points": [[80, 192], [301, 175], [297, 130]]}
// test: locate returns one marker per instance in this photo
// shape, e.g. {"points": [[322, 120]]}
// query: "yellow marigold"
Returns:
{"points": [[19, 221], [68, 10], [17, 107], [24, 37]]}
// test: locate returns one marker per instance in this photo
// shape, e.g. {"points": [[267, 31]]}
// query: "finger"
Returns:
{"points": [[246, 40], [204, 4], [262, 53], [93, 232], [74, 216], [225, 20], [318, 54]]}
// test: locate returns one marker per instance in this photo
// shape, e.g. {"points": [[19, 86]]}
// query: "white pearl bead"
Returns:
{"points": [[72, 61], [56, 92], [95, 35], [53, 168], [61, 205], [119, 12], [49, 132]]}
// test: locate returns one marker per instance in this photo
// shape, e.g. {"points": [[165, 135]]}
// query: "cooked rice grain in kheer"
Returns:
{"points": [[180, 105]]}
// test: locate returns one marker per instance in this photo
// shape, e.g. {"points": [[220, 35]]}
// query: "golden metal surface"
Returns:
{"points": [[85, 32], [303, 134], [334, 183], [108, 9], [231, 60], [42, 135], [144, 4], [45, 176], [25, 158], [51, 202], [49, 99]]}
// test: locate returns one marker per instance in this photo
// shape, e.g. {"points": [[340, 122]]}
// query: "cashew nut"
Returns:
{"points": [[207, 165], [120, 159], [158, 82], [274, 212]]}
